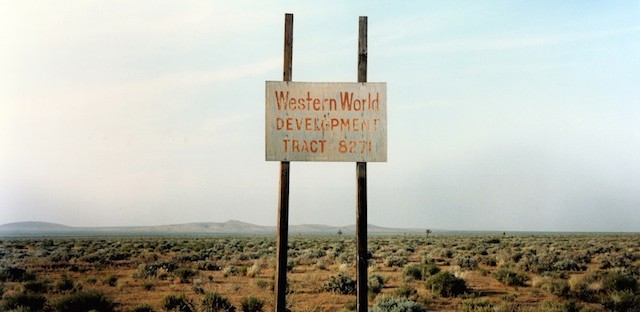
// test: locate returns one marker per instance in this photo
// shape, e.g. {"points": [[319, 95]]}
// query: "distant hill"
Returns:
{"points": [[231, 227], [33, 226]]}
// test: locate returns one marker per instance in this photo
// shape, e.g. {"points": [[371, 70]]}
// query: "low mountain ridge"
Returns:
{"points": [[212, 228], [33, 226]]}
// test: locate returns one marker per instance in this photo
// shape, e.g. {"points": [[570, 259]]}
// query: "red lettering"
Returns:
{"points": [[345, 100], [282, 100], [304, 146], [345, 124]]}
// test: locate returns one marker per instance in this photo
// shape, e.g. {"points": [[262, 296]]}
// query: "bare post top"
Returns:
{"points": [[362, 50], [288, 47]]}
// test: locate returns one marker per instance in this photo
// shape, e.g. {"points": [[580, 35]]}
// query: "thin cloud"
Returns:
{"points": [[196, 78], [476, 44]]}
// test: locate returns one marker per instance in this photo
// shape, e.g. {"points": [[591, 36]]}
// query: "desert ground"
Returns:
{"points": [[470, 272]]}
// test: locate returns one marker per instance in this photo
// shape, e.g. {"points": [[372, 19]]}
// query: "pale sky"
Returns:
{"points": [[502, 115]]}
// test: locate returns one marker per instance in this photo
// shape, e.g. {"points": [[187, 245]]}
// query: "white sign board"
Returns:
{"points": [[326, 121]]}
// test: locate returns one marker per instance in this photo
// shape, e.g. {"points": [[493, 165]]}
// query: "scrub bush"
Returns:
{"points": [[13, 274], [39, 287], [184, 274], [622, 301], [446, 284], [476, 305], [394, 304], [143, 308], [375, 284], [595, 286], [568, 265], [467, 263], [396, 261], [340, 284], [413, 272], [27, 302], [430, 269], [406, 291], [252, 304], [84, 301], [177, 303], [510, 278], [556, 287], [214, 302], [111, 280], [619, 280], [66, 283]]}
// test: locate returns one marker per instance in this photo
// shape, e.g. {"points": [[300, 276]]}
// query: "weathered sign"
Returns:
{"points": [[326, 121]]}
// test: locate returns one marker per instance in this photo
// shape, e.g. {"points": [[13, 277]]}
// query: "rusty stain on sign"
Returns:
{"points": [[326, 121]]}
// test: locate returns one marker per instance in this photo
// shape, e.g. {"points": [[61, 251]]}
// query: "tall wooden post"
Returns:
{"points": [[283, 201], [361, 174]]}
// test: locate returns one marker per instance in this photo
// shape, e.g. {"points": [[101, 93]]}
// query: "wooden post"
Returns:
{"points": [[283, 202], [361, 175]]}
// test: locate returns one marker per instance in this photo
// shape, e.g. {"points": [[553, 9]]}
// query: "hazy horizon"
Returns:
{"points": [[410, 230], [502, 115]]}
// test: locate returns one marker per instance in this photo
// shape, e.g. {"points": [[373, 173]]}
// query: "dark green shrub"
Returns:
{"points": [[143, 308], [28, 302], [146, 271], [448, 253], [375, 284], [413, 272], [516, 256], [197, 289], [207, 266], [252, 304], [624, 300], [405, 291], [619, 280], [351, 306], [488, 260], [567, 265], [340, 284], [111, 280], [13, 274], [291, 264], [583, 291], [445, 284], [242, 270], [557, 287], [394, 304], [476, 305], [177, 303], [148, 285], [84, 301], [510, 278], [66, 283], [39, 287], [429, 269], [230, 270], [184, 274], [264, 284], [321, 264], [573, 306], [553, 306], [214, 302], [467, 263], [396, 261]]}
